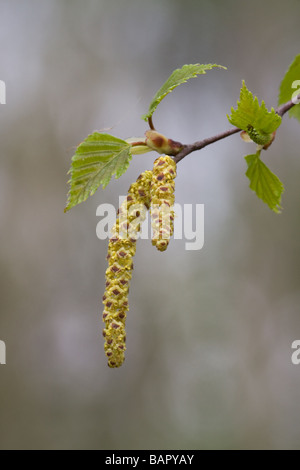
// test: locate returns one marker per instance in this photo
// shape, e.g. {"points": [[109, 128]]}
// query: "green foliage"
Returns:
{"points": [[267, 186], [178, 77], [290, 87], [254, 118], [258, 137], [96, 160], [101, 156]]}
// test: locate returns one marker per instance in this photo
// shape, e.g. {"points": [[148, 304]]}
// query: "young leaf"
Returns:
{"points": [[253, 117], [176, 78], [290, 87], [267, 186], [259, 138], [96, 160]]}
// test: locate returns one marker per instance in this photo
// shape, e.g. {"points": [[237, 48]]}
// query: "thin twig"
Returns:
{"points": [[281, 110], [203, 143], [187, 149]]}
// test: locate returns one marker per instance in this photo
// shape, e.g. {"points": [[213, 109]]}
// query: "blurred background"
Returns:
{"points": [[209, 332]]}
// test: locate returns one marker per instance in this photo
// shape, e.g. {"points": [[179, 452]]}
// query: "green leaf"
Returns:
{"points": [[267, 186], [178, 77], [290, 87], [96, 160], [253, 117]]}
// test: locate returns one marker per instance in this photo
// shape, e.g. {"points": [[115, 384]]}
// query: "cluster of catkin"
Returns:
{"points": [[152, 190]]}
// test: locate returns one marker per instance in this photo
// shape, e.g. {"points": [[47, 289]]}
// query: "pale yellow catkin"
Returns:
{"points": [[162, 201], [121, 249]]}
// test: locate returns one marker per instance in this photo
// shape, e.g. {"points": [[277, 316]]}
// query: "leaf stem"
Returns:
{"points": [[135, 144], [150, 122]]}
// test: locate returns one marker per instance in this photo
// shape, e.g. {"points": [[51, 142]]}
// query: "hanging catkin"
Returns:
{"points": [[121, 250], [162, 201]]}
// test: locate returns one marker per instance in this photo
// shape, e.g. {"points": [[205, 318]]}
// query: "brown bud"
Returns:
{"points": [[162, 144]]}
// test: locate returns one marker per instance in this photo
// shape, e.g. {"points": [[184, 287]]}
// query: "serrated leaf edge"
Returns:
{"points": [[104, 182], [157, 97]]}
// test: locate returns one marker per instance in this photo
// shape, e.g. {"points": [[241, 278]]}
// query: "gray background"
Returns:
{"points": [[209, 332]]}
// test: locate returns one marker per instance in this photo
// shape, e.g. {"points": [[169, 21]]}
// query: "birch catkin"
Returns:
{"points": [[162, 201], [121, 249]]}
